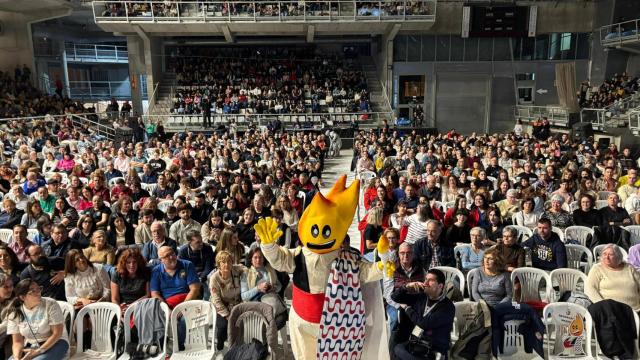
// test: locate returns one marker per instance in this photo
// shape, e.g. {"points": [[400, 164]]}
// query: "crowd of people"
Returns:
{"points": [[276, 9], [450, 200], [19, 98], [610, 92], [93, 220], [276, 81]]}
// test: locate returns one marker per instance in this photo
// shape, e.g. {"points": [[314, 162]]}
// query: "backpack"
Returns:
{"points": [[252, 351], [576, 297]]}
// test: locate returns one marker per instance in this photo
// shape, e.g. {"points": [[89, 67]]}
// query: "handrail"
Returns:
{"points": [[95, 52], [384, 86], [190, 121], [620, 32], [556, 115], [263, 11], [152, 99]]}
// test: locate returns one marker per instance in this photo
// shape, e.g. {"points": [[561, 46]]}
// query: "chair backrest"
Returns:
{"points": [[575, 255], [604, 195], [164, 205], [574, 206], [601, 204], [568, 280], [449, 204], [198, 316], [465, 312], [512, 338], [530, 279], [31, 233], [572, 327], [634, 230], [149, 187], [5, 235], [253, 327], [470, 275], [459, 248], [112, 182], [127, 329], [578, 233], [365, 176], [102, 316], [523, 232], [558, 231], [451, 274], [597, 251], [439, 205], [67, 311]]}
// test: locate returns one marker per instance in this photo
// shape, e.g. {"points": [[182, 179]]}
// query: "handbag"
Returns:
{"points": [[421, 348]]}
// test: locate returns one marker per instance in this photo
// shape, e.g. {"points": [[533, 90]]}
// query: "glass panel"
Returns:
{"points": [[457, 48], [583, 46], [413, 47], [528, 47], [411, 89], [471, 49], [525, 95], [486, 49], [501, 51], [542, 47], [517, 47], [400, 48], [428, 48], [442, 48]]}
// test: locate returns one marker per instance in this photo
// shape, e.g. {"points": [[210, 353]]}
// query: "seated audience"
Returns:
{"points": [[100, 252], [547, 250], [225, 285], [613, 278], [173, 281], [492, 283], [130, 280], [84, 282]]}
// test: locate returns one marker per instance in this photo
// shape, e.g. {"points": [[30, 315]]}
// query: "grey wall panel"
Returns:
{"points": [[502, 103], [461, 102]]}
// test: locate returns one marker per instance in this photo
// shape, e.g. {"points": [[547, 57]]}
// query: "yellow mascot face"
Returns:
{"points": [[325, 222]]}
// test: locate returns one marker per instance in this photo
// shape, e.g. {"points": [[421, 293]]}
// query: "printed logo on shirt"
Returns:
{"points": [[183, 274], [544, 253]]}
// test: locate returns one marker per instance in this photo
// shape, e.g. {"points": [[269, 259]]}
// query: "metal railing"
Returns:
{"points": [[556, 115], [620, 33], [263, 11], [96, 53], [611, 115], [96, 89], [634, 120], [176, 121], [98, 123]]}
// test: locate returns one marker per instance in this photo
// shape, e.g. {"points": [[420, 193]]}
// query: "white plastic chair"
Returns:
{"points": [[601, 204], [574, 206], [449, 204], [575, 253], [67, 311], [512, 339], [5, 235], [465, 312], [31, 233], [402, 172], [127, 330], [597, 251], [365, 176], [567, 280], [604, 195], [149, 187], [570, 322], [451, 273], [635, 233], [102, 316], [254, 327], [470, 275], [112, 182], [195, 343], [530, 279], [439, 205], [523, 232], [164, 205], [558, 231], [578, 233]]}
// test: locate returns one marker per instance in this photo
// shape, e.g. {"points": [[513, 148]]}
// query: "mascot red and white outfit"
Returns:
{"points": [[328, 319]]}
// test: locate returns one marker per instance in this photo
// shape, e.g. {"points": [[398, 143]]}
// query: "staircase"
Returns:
{"points": [[377, 98], [164, 102]]}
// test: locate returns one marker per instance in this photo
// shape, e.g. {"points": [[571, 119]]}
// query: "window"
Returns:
{"points": [[525, 76], [525, 95], [412, 88], [565, 42], [400, 48]]}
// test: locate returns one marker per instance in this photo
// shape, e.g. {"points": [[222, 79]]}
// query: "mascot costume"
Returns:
{"points": [[328, 319]]}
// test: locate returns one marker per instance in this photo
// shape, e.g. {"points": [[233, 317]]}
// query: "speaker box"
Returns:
{"points": [[581, 131]]}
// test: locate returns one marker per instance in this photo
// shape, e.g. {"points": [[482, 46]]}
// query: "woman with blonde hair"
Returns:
{"points": [[230, 242], [225, 285], [290, 214], [373, 230], [100, 251]]}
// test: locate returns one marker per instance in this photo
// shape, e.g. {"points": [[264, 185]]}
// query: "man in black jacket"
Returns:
{"points": [[431, 314], [205, 104], [434, 250]]}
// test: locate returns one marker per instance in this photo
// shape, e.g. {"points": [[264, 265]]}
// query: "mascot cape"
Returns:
{"points": [[329, 318]]}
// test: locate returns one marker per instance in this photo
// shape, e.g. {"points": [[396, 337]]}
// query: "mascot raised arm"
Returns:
{"points": [[327, 319]]}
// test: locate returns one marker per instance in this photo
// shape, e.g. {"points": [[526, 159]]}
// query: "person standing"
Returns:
{"points": [[205, 105]]}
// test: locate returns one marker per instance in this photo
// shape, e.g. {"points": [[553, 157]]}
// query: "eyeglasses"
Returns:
{"points": [[4, 256], [35, 290], [168, 256]]}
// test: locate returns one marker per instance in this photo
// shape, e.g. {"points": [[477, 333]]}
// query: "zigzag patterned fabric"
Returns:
{"points": [[342, 324]]}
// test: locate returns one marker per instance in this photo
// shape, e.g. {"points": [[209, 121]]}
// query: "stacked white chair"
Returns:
{"points": [[102, 316]]}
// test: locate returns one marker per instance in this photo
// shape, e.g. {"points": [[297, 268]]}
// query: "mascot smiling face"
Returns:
{"points": [[325, 222]]}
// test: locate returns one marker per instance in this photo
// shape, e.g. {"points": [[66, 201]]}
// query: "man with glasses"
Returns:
{"points": [[432, 250], [48, 273], [59, 245], [150, 249], [19, 243], [174, 281]]}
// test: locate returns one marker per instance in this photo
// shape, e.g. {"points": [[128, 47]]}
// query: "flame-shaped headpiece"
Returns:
{"points": [[325, 222]]}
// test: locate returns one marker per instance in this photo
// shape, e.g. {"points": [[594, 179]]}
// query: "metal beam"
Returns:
{"points": [[227, 33], [628, 49], [311, 32]]}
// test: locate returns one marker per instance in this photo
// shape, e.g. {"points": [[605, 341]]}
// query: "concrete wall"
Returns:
{"points": [[633, 65], [501, 94], [15, 41]]}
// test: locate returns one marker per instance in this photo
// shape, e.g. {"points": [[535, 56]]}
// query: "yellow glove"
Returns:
{"points": [[267, 230], [389, 268], [383, 245]]}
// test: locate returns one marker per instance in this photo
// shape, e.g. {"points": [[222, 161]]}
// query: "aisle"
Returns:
{"points": [[334, 168]]}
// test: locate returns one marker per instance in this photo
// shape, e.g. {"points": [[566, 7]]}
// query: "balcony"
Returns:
{"points": [[92, 53], [623, 36]]}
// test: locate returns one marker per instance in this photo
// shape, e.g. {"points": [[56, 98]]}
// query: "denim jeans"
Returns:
{"points": [[55, 352], [392, 313]]}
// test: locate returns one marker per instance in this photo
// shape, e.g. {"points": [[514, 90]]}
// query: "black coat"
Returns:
{"points": [[613, 321]]}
